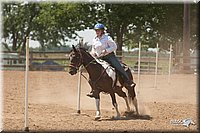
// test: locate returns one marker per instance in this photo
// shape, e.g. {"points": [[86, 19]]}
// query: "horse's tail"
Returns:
{"points": [[131, 93]]}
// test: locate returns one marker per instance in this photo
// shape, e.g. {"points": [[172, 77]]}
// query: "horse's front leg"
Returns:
{"points": [[98, 114], [115, 105], [97, 100], [127, 104], [95, 92]]}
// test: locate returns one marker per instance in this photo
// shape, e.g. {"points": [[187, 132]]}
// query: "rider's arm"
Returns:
{"points": [[112, 46], [92, 52]]}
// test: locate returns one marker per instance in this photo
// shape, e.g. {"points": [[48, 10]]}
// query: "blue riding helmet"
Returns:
{"points": [[99, 26]]}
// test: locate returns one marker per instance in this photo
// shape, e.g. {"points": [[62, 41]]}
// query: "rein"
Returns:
{"points": [[80, 70], [77, 68]]}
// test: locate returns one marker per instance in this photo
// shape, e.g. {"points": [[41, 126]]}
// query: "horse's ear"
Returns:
{"points": [[74, 48]]}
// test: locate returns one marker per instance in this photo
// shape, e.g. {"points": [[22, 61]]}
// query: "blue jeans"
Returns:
{"points": [[114, 62]]}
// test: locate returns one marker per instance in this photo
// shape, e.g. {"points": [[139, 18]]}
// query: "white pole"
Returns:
{"points": [[139, 58], [79, 91], [156, 70], [26, 84], [79, 82], [170, 61]]}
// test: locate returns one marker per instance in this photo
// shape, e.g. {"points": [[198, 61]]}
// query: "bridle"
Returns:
{"points": [[80, 62]]}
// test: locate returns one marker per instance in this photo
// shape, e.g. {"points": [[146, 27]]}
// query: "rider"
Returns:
{"points": [[104, 47]]}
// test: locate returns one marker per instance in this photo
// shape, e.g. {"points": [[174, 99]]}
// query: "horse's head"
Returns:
{"points": [[75, 60]]}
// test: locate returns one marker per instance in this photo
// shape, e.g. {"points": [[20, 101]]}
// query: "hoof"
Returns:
{"points": [[137, 113], [129, 114], [97, 118], [116, 118]]}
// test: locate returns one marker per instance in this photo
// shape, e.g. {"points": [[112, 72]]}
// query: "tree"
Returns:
{"points": [[60, 21], [194, 26], [145, 27], [18, 23], [171, 30], [52, 24], [138, 22]]}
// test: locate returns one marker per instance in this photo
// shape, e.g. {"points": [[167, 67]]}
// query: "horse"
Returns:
{"points": [[103, 78]]}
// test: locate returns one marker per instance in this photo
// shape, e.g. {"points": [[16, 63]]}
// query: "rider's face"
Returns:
{"points": [[99, 32]]}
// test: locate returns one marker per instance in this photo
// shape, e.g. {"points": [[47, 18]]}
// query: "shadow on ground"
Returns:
{"points": [[128, 116]]}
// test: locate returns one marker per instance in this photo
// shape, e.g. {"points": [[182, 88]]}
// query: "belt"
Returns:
{"points": [[112, 53]]}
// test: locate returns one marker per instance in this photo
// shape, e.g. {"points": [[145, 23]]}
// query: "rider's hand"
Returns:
{"points": [[104, 52], [93, 54]]}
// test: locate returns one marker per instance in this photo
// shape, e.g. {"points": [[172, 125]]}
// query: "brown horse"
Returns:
{"points": [[103, 78]]}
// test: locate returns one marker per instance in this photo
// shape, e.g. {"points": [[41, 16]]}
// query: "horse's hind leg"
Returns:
{"points": [[115, 105], [123, 94], [127, 105], [135, 103], [132, 97], [131, 92]]}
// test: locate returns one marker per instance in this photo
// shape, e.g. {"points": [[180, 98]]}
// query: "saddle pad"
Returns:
{"points": [[109, 69]]}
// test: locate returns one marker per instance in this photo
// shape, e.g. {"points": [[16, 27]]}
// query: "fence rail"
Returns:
{"points": [[59, 61]]}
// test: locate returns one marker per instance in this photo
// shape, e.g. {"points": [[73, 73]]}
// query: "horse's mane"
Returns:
{"points": [[97, 60], [86, 51], [82, 48]]}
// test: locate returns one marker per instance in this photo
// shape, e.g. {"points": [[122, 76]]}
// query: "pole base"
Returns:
{"points": [[78, 111], [26, 129]]}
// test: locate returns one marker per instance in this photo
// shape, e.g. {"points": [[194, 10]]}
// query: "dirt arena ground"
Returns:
{"points": [[53, 104]]}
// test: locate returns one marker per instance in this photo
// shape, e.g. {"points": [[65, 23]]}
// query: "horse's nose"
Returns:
{"points": [[72, 71]]}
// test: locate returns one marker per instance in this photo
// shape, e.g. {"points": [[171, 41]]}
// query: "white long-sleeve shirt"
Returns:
{"points": [[103, 46]]}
